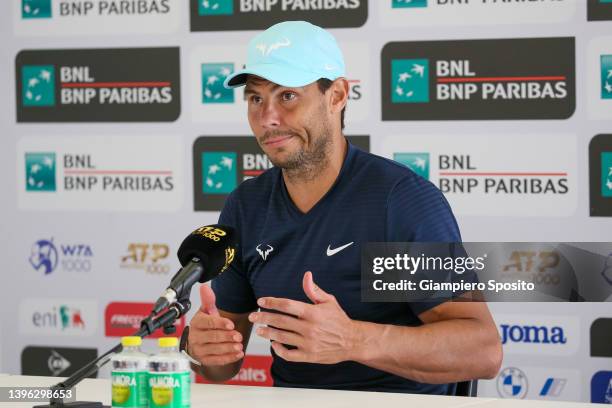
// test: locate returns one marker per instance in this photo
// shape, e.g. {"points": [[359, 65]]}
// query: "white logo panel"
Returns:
{"points": [[104, 173], [497, 175], [358, 107], [599, 78], [98, 17], [210, 65], [539, 335], [408, 13], [532, 383], [209, 101], [58, 317]]}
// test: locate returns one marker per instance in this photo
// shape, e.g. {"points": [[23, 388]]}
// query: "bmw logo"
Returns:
{"points": [[512, 383]]}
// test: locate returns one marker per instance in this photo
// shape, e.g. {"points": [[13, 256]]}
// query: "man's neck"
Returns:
{"points": [[305, 192]]}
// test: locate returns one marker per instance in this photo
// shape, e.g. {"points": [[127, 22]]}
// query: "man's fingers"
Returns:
{"points": [[214, 336], [205, 321], [277, 320], [312, 291], [292, 307], [207, 297], [281, 336], [283, 352], [216, 349], [212, 360]]}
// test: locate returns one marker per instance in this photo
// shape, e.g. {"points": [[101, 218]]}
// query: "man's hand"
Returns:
{"points": [[213, 340], [322, 332]]}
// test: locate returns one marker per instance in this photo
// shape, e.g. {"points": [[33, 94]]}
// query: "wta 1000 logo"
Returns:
{"points": [[47, 256]]}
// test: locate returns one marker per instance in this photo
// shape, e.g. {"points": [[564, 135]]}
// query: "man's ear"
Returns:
{"points": [[339, 94]]}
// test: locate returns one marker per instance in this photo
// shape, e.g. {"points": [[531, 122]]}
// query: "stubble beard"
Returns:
{"points": [[304, 164]]}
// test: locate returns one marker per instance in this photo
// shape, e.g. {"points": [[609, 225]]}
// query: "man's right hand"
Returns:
{"points": [[213, 339]]}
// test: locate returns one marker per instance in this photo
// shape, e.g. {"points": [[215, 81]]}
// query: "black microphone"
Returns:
{"points": [[205, 253]]}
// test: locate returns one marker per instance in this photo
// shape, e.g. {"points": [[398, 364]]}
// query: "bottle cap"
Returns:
{"points": [[131, 341], [168, 342]]}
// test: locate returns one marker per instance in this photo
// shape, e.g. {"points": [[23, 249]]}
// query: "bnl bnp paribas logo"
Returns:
{"points": [[215, 7], [417, 162], [38, 85], [409, 80], [600, 175], [606, 174], [606, 76], [219, 173], [35, 9], [213, 76], [40, 171], [475, 79], [408, 3], [220, 164]]}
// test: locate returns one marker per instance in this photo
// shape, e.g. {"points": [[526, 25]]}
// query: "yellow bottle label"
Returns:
{"points": [[169, 390]]}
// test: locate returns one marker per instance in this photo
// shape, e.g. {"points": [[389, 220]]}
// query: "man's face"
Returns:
{"points": [[292, 125]]}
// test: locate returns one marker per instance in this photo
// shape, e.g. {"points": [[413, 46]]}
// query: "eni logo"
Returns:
{"points": [[211, 233]]}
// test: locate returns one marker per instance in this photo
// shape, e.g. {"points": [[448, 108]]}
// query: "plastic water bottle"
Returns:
{"points": [[169, 377], [129, 375]]}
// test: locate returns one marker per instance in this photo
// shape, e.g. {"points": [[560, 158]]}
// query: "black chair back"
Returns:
{"points": [[464, 388]]}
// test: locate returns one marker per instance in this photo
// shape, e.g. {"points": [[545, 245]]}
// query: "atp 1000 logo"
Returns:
{"points": [[211, 233]]}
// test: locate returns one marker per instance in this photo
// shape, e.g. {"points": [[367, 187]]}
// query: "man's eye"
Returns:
{"points": [[255, 99], [288, 96]]}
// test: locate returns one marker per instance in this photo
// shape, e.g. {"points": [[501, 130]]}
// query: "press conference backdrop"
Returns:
{"points": [[118, 139]]}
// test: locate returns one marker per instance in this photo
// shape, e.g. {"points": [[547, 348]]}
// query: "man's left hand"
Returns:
{"points": [[322, 332]]}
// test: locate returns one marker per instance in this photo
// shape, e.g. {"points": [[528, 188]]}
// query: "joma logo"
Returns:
{"points": [[532, 334]]}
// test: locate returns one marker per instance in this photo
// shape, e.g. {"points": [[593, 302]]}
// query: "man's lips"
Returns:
{"points": [[277, 140]]}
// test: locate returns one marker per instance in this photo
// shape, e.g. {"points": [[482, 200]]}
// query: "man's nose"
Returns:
{"points": [[270, 115]]}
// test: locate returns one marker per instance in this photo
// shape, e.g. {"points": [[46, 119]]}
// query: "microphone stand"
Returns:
{"points": [[147, 327]]}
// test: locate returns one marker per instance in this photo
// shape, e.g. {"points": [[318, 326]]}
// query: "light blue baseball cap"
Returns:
{"points": [[293, 54]]}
